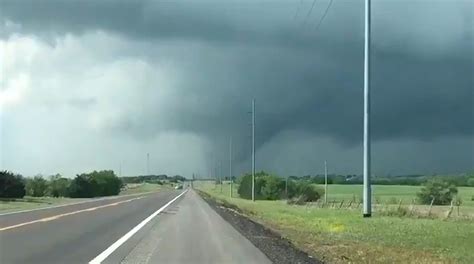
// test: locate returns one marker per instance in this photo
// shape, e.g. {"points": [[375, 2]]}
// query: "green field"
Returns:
{"points": [[388, 193], [28, 203], [341, 236]]}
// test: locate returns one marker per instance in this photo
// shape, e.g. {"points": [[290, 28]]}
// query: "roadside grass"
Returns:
{"points": [[342, 236], [28, 203]]}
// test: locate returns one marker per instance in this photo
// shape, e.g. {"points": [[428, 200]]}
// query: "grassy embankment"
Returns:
{"points": [[342, 235], [28, 203]]}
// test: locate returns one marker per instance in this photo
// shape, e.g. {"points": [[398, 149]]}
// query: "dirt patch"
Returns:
{"points": [[276, 248]]}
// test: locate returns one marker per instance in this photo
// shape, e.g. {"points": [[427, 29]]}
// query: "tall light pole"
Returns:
{"points": [[230, 166], [325, 182], [253, 150], [367, 158]]}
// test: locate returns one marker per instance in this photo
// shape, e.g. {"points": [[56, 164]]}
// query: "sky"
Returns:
{"points": [[91, 85]]}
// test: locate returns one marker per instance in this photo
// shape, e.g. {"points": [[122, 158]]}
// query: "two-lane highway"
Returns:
{"points": [[166, 227], [75, 233]]}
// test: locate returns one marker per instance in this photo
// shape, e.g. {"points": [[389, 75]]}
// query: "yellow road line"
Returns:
{"points": [[51, 218]]}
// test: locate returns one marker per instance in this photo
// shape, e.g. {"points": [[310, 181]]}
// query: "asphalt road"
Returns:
{"points": [[187, 231]]}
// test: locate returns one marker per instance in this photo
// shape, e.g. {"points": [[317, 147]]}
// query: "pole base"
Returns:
{"points": [[367, 215]]}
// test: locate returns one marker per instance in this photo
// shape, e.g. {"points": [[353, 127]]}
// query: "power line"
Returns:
{"points": [[324, 15], [309, 12]]}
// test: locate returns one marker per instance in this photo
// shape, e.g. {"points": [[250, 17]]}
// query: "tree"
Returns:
{"points": [[470, 182], [272, 188], [36, 187], [441, 191], [11, 185], [58, 186], [96, 183]]}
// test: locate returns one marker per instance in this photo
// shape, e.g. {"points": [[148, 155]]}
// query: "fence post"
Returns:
{"points": [[431, 206], [412, 206], [450, 209], [342, 202]]}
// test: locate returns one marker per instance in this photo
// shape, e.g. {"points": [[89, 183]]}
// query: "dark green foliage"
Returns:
{"points": [[271, 187], [11, 185], [439, 189], [470, 182], [37, 186], [96, 183], [58, 186], [310, 192], [144, 178]]}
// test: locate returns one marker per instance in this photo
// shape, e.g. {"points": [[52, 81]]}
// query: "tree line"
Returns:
{"points": [[85, 185], [299, 190]]}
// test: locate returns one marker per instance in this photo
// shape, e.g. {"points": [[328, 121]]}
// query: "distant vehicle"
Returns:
{"points": [[178, 187]]}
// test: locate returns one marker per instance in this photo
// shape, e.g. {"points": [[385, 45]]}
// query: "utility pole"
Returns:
{"points": [[325, 182], [120, 170], [253, 150], [220, 173], [367, 157], [148, 163], [230, 166], [286, 187]]}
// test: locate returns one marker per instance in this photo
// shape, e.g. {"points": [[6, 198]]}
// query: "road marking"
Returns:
{"points": [[69, 204], [102, 256], [54, 217]]}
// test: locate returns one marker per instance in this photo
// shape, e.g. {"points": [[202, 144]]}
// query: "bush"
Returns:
{"points": [[272, 188], [37, 187], [267, 187], [470, 182], [11, 185], [310, 192], [96, 183], [58, 186], [441, 191]]}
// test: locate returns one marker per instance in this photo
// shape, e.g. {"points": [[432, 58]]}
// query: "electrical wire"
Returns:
{"points": [[324, 15], [309, 12]]}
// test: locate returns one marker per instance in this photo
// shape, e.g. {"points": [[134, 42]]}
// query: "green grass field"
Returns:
{"points": [[28, 203], [342, 236], [388, 193]]}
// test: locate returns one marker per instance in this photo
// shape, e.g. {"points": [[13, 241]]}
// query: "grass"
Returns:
{"points": [[341, 236], [28, 203], [389, 193]]}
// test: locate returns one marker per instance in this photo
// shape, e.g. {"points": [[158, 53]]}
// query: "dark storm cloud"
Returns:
{"points": [[422, 83]]}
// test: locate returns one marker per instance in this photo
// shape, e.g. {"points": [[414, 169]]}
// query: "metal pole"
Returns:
{"points": [[286, 188], [253, 150], [220, 173], [367, 158], [230, 166], [325, 182]]}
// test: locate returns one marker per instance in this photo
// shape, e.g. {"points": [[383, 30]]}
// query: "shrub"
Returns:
{"points": [[470, 182], [58, 186], [273, 188], [36, 187], [268, 187], [310, 192], [11, 185], [96, 183], [441, 191]]}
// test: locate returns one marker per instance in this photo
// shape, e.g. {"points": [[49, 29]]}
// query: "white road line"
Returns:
{"points": [[69, 204], [102, 256]]}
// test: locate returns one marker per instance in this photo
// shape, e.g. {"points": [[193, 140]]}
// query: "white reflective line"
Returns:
{"points": [[102, 256]]}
